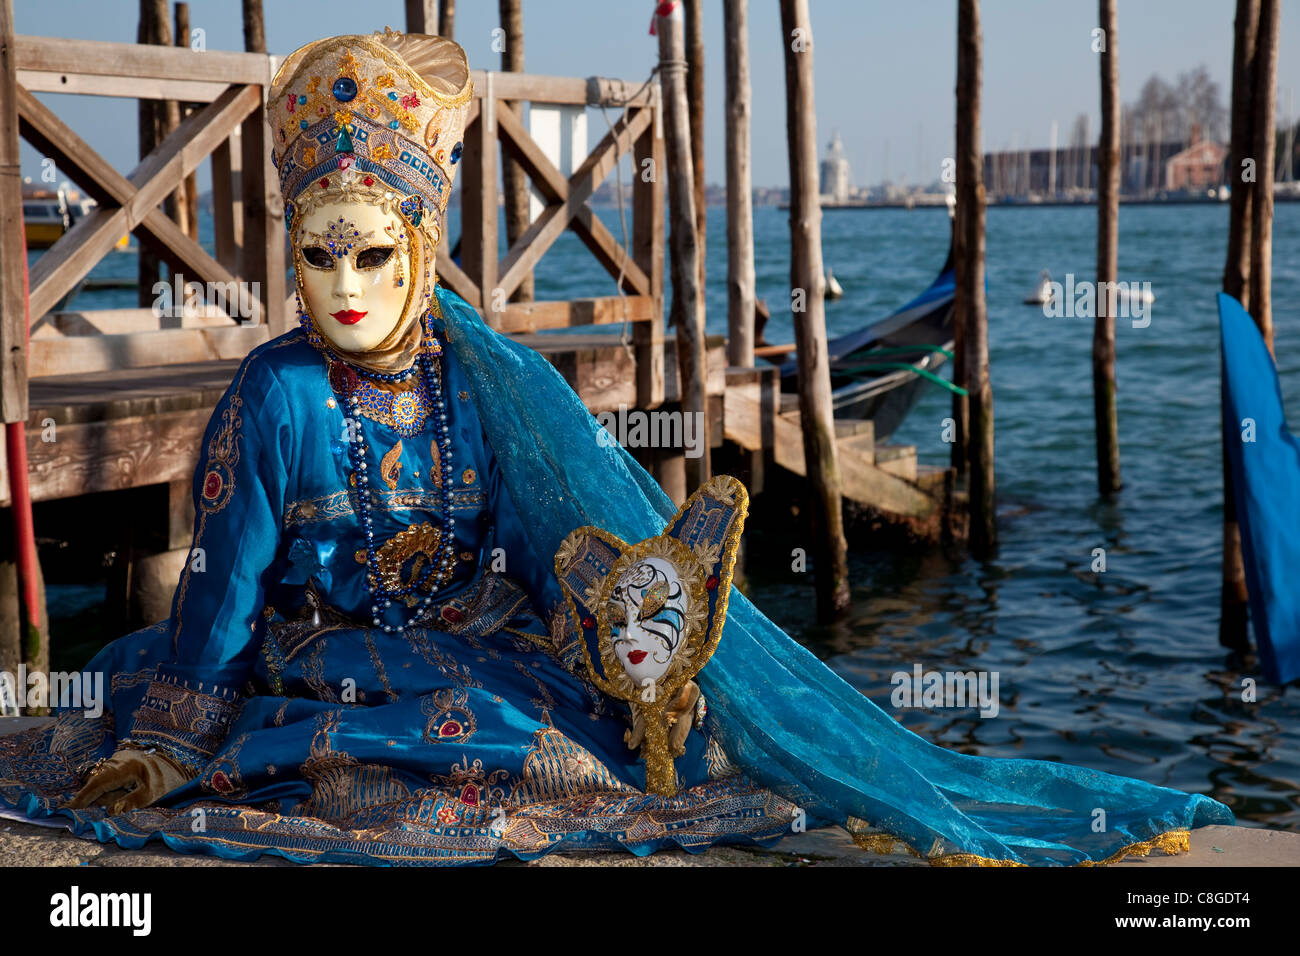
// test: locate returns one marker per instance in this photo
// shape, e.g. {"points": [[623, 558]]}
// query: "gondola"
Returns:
{"points": [[878, 372]]}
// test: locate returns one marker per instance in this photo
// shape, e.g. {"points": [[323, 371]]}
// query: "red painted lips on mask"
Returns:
{"points": [[348, 316]]}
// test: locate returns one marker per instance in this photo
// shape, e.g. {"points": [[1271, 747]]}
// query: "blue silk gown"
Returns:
{"points": [[322, 738]]}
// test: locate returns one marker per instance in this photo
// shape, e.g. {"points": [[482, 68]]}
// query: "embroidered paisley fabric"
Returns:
{"points": [[313, 776], [319, 737]]}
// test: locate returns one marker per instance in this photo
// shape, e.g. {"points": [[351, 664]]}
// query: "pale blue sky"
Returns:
{"points": [[885, 69]]}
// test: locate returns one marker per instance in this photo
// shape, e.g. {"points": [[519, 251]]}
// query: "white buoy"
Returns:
{"points": [[1134, 294], [833, 288], [1041, 293]]}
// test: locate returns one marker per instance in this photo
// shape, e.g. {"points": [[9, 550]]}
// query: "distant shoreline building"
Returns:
{"points": [[1147, 171], [836, 175], [1199, 166]]}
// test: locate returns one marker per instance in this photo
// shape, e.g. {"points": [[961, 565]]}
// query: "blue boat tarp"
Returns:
{"points": [[1264, 458]]}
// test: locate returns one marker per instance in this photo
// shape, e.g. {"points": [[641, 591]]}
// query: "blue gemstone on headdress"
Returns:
{"points": [[455, 153], [302, 124], [392, 95], [394, 124], [301, 99], [412, 207], [344, 143], [345, 88]]}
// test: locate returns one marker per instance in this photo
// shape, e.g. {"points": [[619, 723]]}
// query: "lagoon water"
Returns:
{"points": [[1119, 671]]}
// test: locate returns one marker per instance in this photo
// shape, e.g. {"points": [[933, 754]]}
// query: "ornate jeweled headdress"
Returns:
{"points": [[383, 112]]}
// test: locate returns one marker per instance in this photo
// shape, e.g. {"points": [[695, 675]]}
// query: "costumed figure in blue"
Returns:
{"points": [[431, 617]]}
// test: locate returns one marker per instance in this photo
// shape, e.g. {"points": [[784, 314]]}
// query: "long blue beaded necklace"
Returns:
{"points": [[445, 558], [346, 380]]}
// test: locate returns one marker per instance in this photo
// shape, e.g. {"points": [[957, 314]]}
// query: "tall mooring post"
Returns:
{"points": [[691, 355], [808, 288], [970, 277]]}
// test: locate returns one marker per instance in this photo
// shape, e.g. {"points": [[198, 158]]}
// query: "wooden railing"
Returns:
{"points": [[487, 282], [248, 210]]}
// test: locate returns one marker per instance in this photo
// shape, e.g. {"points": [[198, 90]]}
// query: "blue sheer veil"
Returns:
{"points": [[783, 717]]}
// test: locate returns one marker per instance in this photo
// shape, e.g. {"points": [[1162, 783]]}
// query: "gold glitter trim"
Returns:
{"points": [[390, 468], [1171, 843]]}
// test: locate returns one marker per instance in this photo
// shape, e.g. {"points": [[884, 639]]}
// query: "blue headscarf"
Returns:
{"points": [[782, 716]]}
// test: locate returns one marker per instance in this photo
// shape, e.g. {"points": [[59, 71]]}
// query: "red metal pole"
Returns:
{"points": [[20, 493]]}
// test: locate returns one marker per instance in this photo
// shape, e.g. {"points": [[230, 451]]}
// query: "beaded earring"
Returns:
{"points": [[400, 247]]}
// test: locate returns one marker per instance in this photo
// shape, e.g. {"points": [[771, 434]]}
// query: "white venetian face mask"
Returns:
{"points": [[648, 613], [355, 268]]}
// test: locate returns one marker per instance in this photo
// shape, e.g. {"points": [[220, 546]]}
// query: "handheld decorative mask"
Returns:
{"points": [[367, 137], [650, 615]]}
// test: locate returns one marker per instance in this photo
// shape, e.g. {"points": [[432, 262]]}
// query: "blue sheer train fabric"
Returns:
{"points": [[316, 735]]}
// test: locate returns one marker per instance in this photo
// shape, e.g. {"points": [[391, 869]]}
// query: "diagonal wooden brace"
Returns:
{"points": [[567, 200], [130, 203]]}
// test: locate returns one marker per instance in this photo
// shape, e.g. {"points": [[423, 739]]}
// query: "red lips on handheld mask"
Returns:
{"points": [[348, 316]]}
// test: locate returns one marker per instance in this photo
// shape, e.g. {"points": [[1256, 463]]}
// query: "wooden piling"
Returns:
{"points": [[970, 277], [1236, 270], [254, 27], [740, 199], [13, 328], [513, 179], [153, 28], [691, 358], [695, 101], [807, 276], [1233, 595], [188, 206], [960, 457], [1261, 222], [421, 16], [1105, 412], [447, 19]]}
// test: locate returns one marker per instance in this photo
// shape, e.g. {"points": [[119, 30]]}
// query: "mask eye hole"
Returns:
{"points": [[374, 257], [318, 257]]}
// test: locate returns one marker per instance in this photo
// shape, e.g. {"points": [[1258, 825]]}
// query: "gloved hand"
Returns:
{"points": [[680, 714], [130, 779]]}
